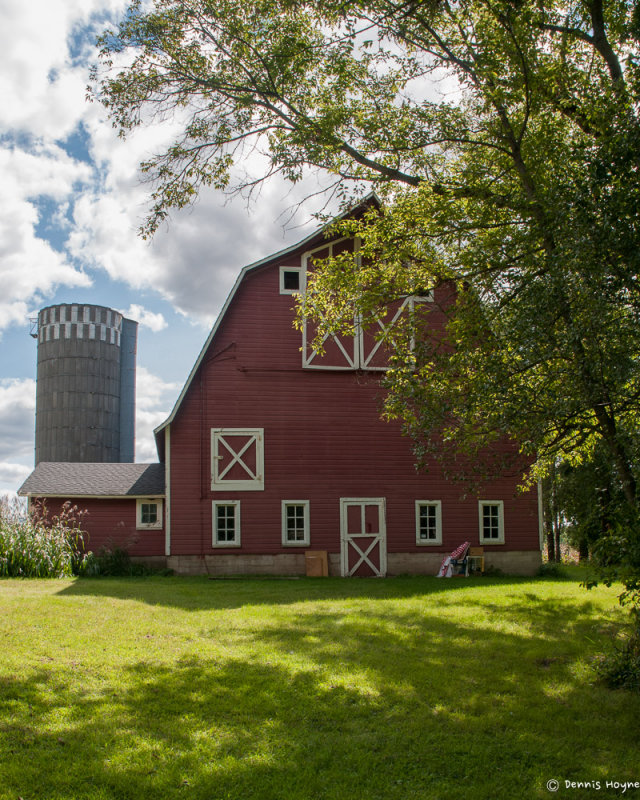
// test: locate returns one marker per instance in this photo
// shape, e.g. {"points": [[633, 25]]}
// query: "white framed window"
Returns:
{"points": [[428, 522], [491, 521], [295, 523], [237, 459], [226, 523], [148, 513], [291, 280]]}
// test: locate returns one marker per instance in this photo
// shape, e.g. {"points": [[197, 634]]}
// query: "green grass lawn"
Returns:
{"points": [[318, 688]]}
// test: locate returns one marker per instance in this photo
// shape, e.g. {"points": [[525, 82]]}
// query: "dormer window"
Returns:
{"points": [[290, 280]]}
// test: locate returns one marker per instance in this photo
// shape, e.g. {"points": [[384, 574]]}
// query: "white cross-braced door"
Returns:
{"points": [[237, 459], [363, 537]]}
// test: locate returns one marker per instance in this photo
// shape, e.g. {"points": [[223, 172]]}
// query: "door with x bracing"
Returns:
{"points": [[363, 537], [237, 459]]}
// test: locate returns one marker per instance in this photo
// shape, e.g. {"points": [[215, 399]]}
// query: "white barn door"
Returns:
{"points": [[363, 537]]}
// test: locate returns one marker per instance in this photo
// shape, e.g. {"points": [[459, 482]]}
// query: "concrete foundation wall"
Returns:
{"points": [[523, 562], [512, 563]]}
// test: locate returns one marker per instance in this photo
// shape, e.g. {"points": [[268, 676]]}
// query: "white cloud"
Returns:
{"points": [[30, 268], [41, 84], [43, 74], [192, 262], [12, 476], [149, 319], [154, 400], [92, 211], [17, 434]]}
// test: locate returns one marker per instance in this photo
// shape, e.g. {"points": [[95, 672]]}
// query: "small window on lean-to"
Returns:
{"points": [[148, 513]]}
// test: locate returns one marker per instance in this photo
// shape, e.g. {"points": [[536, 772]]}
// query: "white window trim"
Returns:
{"points": [[438, 506], [214, 532], [481, 505], [312, 359], [352, 347], [383, 328], [218, 483], [301, 280], [145, 526], [307, 528]]}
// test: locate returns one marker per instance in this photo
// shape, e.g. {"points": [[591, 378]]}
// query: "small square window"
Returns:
{"points": [[491, 520], [149, 513], [295, 523], [428, 522], [290, 280], [226, 523]]}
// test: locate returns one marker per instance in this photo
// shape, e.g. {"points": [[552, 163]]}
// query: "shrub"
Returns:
{"points": [[493, 572], [621, 668], [551, 569], [34, 546], [114, 561]]}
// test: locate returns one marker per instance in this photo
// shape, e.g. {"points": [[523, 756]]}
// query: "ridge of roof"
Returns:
{"points": [[367, 200]]}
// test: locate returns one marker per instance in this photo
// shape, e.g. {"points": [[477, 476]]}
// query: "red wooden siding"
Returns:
{"points": [[113, 523], [323, 441]]}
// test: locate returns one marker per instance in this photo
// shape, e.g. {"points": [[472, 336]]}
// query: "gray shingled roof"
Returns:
{"points": [[55, 479]]}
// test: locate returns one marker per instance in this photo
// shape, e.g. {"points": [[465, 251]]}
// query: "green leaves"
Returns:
{"points": [[503, 140]]}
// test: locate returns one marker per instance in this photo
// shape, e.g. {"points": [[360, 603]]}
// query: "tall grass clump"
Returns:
{"points": [[617, 558], [32, 545]]}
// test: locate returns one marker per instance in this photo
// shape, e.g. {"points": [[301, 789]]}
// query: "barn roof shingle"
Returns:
{"points": [[56, 479]]}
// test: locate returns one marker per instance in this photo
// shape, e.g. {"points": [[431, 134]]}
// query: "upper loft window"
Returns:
{"points": [[290, 280], [355, 345]]}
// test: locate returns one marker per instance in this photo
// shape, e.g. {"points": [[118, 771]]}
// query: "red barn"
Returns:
{"points": [[274, 450]]}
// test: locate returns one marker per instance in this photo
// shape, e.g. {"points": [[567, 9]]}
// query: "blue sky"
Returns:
{"points": [[70, 205]]}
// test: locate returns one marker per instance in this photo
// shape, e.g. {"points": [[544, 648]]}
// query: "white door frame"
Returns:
{"points": [[348, 540]]}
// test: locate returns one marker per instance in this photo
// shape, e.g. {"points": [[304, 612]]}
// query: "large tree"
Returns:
{"points": [[503, 138]]}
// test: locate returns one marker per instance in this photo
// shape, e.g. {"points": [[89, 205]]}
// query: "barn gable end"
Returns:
{"points": [[275, 451]]}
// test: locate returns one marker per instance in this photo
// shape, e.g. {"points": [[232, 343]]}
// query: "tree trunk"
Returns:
{"points": [[583, 550], [547, 514], [551, 548], [556, 533]]}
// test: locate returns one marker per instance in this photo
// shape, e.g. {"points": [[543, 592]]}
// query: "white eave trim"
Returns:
{"points": [[256, 264]]}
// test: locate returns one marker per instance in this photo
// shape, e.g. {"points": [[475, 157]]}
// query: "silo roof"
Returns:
{"points": [[58, 479]]}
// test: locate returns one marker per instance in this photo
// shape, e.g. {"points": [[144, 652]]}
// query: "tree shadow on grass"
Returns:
{"points": [[203, 594], [338, 706]]}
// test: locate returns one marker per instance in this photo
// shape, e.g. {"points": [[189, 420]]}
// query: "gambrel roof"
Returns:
{"points": [[314, 238]]}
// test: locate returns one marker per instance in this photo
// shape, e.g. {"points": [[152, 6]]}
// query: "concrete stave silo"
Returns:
{"points": [[85, 396]]}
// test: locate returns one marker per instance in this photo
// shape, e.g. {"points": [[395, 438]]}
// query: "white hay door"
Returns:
{"points": [[363, 537]]}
